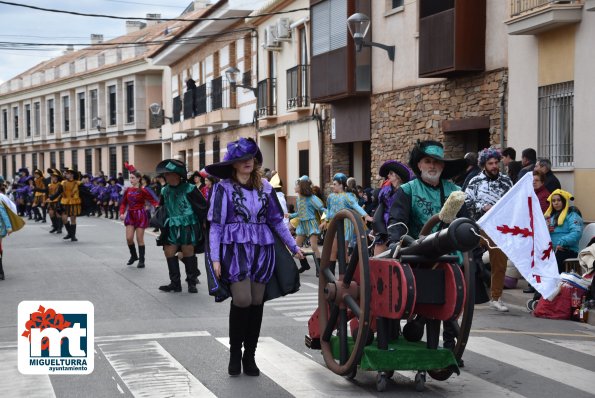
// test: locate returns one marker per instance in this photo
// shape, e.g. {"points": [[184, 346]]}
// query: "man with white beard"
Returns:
{"points": [[419, 199]]}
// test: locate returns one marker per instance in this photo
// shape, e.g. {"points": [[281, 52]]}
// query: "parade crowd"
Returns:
{"points": [[237, 215]]}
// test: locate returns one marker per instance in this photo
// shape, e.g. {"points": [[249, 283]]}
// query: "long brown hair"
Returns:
{"points": [[255, 180], [305, 187]]}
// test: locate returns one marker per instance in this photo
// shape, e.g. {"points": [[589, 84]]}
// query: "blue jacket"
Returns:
{"points": [[569, 233]]}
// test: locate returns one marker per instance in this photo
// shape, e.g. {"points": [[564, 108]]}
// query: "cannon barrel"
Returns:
{"points": [[461, 235]]}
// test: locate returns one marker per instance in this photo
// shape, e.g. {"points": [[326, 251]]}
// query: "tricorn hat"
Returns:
{"points": [[402, 170], [75, 174], [24, 170], [55, 172], [237, 151], [171, 166], [435, 150], [37, 171]]}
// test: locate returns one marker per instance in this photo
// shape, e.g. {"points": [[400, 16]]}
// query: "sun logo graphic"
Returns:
{"points": [[56, 337]]}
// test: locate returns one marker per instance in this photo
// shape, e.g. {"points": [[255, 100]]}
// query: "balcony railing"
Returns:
{"points": [[267, 97], [518, 7], [297, 87], [205, 98]]}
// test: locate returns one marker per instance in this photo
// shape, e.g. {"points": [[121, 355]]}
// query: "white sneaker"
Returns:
{"points": [[498, 305]]}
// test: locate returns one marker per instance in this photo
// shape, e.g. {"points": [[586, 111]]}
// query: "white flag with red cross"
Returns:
{"points": [[517, 225]]}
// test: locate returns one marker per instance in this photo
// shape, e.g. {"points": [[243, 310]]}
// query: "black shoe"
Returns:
{"points": [[304, 265], [530, 289], [192, 273], [235, 363]]}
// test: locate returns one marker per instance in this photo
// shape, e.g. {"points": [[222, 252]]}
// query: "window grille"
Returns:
{"points": [[556, 123]]}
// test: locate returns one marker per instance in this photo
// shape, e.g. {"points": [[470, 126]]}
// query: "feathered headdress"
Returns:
{"points": [[129, 167]]}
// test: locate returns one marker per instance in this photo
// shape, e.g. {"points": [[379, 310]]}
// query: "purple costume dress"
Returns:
{"points": [[386, 196], [241, 233]]}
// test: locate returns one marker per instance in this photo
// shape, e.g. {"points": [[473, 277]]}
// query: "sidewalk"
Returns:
{"points": [[518, 298]]}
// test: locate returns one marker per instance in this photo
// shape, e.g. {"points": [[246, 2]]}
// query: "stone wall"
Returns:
{"points": [[400, 118]]}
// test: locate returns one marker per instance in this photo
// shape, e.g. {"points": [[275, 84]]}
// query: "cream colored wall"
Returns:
{"points": [[584, 192], [522, 93], [401, 29], [299, 133], [556, 56]]}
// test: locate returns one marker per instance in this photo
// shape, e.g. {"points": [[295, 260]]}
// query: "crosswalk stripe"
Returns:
{"points": [[297, 307], [582, 346], [464, 385], [295, 297], [148, 370], [299, 313], [304, 302], [549, 368], [312, 285], [151, 336], [302, 318], [303, 377], [15, 384]]}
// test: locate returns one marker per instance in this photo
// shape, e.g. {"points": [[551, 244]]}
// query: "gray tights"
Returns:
{"points": [[246, 293]]}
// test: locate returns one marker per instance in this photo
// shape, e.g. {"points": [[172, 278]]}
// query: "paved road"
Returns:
{"points": [[141, 332]]}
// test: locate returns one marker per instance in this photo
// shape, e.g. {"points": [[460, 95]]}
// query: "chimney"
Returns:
{"points": [[134, 26], [200, 4], [153, 19], [69, 49], [96, 38]]}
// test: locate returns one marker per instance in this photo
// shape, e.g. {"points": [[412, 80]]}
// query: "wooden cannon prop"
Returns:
{"points": [[423, 284]]}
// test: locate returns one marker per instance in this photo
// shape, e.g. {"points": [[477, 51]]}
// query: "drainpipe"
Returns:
{"points": [[320, 124], [502, 110]]}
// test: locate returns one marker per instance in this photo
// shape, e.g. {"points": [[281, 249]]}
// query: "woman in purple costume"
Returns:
{"points": [[136, 217], [244, 213], [115, 196], [395, 174]]}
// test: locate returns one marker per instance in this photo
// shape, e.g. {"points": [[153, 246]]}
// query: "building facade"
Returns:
{"points": [[448, 81], [551, 89], [87, 109]]}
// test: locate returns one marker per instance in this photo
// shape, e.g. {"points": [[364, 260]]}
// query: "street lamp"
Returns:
{"points": [[358, 25], [231, 74], [155, 109]]}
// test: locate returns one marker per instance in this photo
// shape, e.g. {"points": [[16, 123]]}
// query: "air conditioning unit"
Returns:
{"points": [[283, 29], [270, 41]]}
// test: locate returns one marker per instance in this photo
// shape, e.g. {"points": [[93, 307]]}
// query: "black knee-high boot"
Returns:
{"points": [[175, 285], [1, 269], [73, 233], [68, 232], [133, 255], [44, 213], [192, 272], [238, 319], [141, 256], [251, 340], [59, 224], [29, 212], [36, 213], [54, 224]]}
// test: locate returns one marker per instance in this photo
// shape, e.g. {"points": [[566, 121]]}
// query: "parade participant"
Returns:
{"points": [[419, 199], [39, 195], [244, 214], [53, 204], [102, 195], [70, 202], [115, 196], [565, 224], [396, 173], [278, 186], [17, 188], [337, 201], [183, 231], [483, 191], [136, 217], [308, 206], [28, 193], [5, 225]]}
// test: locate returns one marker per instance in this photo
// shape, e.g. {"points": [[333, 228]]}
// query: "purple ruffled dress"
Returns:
{"points": [[241, 233]]}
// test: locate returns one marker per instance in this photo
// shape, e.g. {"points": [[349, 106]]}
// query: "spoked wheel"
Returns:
{"points": [[341, 298]]}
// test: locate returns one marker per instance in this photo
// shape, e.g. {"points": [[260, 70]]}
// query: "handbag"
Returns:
{"points": [[159, 219], [17, 222]]}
